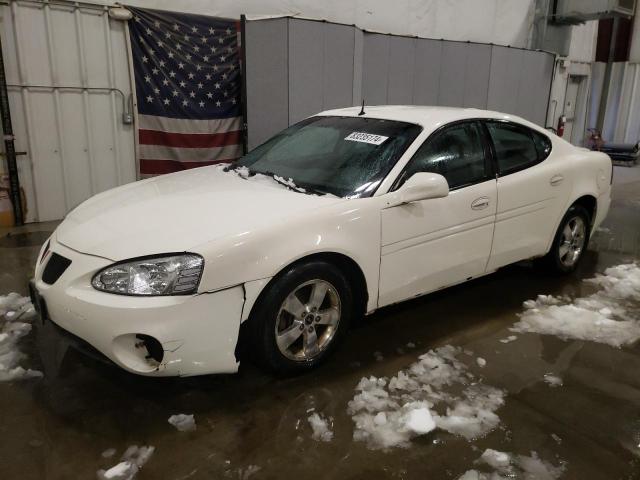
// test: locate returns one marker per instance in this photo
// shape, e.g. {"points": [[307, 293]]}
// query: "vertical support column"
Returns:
{"points": [[243, 79], [9, 146], [604, 97]]}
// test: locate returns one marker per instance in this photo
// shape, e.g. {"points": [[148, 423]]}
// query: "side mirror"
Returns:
{"points": [[420, 186]]}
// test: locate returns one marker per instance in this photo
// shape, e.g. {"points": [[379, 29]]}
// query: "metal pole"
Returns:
{"points": [[602, 108], [243, 73], [9, 146]]}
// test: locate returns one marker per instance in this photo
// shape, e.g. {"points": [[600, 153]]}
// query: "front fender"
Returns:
{"points": [[349, 228]]}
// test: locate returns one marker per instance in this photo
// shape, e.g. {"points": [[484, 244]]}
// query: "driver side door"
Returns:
{"points": [[430, 244]]}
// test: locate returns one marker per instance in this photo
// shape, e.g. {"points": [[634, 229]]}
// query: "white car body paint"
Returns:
{"points": [[248, 232]]}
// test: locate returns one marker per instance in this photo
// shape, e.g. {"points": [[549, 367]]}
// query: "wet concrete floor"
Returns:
{"points": [[252, 425]]}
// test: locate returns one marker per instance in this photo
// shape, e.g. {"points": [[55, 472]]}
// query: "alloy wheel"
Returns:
{"points": [[572, 242], [308, 320]]}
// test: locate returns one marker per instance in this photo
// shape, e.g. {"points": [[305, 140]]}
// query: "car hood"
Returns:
{"points": [[180, 211]]}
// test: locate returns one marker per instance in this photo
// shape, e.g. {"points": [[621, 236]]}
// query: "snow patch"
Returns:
{"points": [[436, 391], [607, 316], [130, 464], [320, 426], [553, 380], [182, 422], [481, 362], [509, 339], [506, 465], [420, 421], [16, 314]]}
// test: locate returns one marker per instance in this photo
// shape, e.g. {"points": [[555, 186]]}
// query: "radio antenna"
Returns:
{"points": [[362, 110]]}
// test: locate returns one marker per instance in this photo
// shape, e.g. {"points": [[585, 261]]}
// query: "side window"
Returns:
{"points": [[456, 153], [515, 147]]}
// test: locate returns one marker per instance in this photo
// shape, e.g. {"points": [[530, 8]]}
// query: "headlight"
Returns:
{"points": [[170, 275]]}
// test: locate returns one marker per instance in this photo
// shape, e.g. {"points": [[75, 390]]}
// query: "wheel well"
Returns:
{"points": [[345, 264], [590, 204], [350, 269]]}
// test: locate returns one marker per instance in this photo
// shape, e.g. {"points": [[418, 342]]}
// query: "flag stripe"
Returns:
{"points": [[190, 154], [182, 125], [189, 140]]}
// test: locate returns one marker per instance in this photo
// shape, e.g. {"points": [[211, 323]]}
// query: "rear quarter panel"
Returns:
{"points": [[590, 174]]}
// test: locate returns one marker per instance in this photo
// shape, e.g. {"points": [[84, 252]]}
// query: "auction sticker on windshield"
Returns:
{"points": [[365, 138]]}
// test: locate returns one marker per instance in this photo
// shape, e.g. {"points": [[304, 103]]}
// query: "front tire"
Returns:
{"points": [[570, 242], [301, 318]]}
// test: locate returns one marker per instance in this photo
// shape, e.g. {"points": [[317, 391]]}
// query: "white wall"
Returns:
{"points": [[75, 140], [503, 22], [583, 42]]}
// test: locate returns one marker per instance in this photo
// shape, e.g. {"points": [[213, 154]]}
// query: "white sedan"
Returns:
{"points": [[333, 218]]}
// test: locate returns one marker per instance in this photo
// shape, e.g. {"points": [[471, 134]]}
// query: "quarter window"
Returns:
{"points": [[456, 153], [516, 147]]}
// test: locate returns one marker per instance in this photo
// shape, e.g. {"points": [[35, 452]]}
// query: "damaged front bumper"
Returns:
{"points": [[152, 336]]}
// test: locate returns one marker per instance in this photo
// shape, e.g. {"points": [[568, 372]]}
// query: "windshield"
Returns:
{"points": [[343, 156]]}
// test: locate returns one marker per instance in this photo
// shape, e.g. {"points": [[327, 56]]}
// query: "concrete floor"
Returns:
{"points": [[253, 425]]}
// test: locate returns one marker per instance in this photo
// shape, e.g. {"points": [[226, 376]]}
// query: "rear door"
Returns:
{"points": [[532, 191], [434, 243]]}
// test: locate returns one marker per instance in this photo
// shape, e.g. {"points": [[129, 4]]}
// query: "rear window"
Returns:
{"points": [[517, 147], [543, 144]]}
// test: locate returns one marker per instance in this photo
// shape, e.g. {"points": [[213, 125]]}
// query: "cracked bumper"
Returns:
{"points": [[197, 333]]}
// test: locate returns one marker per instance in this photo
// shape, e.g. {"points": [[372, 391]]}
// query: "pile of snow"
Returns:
{"points": [[130, 464], [506, 465], [16, 314], [607, 316], [276, 180], [183, 422], [553, 380], [436, 391], [320, 426]]}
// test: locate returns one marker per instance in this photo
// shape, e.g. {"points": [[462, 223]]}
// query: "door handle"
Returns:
{"points": [[556, 180], [480, 203]]}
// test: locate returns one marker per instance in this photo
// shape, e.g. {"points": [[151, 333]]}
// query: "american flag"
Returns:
{"points": [[188, 89]]}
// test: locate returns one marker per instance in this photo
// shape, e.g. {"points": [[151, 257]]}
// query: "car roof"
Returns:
{"points": [[429, 118]]}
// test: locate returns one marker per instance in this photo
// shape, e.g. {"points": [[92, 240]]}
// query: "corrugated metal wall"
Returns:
{"points": [[622, 114], [311, 66], [67, 68]]}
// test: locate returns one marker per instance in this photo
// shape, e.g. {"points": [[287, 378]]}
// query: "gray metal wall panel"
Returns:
{"points": [[427, 72], [267, 79], [506, 69], [401, 70], [306, 60], [533, 94], [338, 66], [375, 70], [296, 68], [358, 61], [452, 74], [476, 79]]}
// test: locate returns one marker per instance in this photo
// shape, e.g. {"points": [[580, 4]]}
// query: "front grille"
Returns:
{"points": [[55, 267]]}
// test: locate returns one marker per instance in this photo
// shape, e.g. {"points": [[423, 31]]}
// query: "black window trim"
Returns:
{"points": [[487, 147], [518, 126]]}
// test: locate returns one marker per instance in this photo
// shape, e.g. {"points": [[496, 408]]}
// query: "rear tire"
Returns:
{"points": [[570, 242], [301, 318]]}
